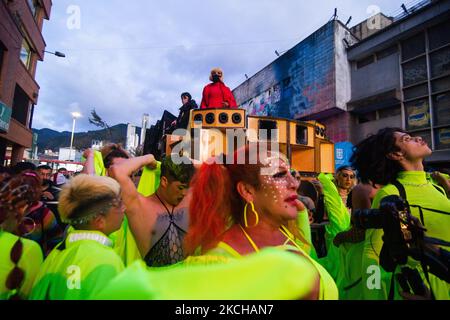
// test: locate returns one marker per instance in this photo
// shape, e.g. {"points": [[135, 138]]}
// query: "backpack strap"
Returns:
{"points": [[401, 189]]}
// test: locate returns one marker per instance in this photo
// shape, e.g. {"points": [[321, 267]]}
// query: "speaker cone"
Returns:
{"points": [[209, 118], [236, 118], [223, 117], [198, 117]]}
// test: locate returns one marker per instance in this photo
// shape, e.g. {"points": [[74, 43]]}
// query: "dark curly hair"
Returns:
{"points": [[370, 157]]}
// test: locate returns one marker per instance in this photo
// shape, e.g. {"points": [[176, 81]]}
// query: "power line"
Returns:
{"points": [[157, 46]]}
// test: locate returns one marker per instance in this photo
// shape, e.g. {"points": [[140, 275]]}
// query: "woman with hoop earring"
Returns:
{"points": [[242, 207]]}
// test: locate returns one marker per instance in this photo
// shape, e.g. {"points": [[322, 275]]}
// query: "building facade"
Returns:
{"points": [[21, 46], [385, 71], [401, 77]]}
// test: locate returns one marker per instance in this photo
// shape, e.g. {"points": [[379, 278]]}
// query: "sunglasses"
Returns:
{"points": [[346, 175]]}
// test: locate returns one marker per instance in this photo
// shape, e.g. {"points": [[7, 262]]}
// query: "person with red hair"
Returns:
{"points": [[217, 94], [242, 207]]}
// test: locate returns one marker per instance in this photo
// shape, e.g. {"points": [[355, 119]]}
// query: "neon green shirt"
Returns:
{"points": [[419, 191], [29, 262], [77, 268]]}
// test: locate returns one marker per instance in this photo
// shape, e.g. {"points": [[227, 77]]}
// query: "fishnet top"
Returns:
{"points": [[169, 248]]}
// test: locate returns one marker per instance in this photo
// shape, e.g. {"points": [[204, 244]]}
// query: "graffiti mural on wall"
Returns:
{"points": [[265, 103], [299, 82]]}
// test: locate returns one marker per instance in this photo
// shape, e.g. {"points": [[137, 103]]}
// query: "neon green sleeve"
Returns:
{"points": [[99, 167], [337, 212], [149, 181]]}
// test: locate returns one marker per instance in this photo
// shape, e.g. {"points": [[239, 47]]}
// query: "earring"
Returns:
{"points": [[254, 212]]}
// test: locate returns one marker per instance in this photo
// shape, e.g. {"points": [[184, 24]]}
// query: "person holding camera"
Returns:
{"points": [[394, 158]]}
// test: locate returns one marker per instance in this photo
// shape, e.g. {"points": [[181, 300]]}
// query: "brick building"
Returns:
{"points": [[21, 46]]}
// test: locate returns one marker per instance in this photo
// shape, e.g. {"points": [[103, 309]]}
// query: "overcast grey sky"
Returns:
{"points": [[126, 60]]}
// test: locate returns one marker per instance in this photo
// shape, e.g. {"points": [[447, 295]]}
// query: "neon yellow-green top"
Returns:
{"points": [[343, 262], [419, 191], [328, 289], [29, 262], [268, 274], [78, 268]]}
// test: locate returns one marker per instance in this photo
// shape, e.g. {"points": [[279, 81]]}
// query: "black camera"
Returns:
{"points": [[404, 237]]}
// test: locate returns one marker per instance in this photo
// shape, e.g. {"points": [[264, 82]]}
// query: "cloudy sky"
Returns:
{"points": [[126, 60]]}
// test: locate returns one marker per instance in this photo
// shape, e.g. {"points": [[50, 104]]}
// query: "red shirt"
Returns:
{"points": [[214, 94]]}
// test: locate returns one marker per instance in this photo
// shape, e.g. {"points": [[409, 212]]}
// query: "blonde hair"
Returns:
{"points": [[85, 194]]}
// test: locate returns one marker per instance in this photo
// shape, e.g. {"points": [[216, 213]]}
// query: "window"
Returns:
{"points": [[371, 116], [442, 137], [364, 62], [440, 62], [414, 71], [21, 104], [386, 52], [389, 112], [25, 53], [416, 91], [439, 35], [417, 114], [440, 84], [441, 107], [413, 46], [34, 6]]}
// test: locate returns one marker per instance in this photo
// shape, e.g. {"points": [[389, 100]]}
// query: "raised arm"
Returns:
{"points": [[88, 167], [136, 210]]}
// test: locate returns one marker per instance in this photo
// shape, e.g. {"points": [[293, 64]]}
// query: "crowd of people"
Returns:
{"points": [[219, 224]]}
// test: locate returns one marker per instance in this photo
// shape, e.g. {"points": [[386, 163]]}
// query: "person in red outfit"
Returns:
{"points": [[217, 94]]}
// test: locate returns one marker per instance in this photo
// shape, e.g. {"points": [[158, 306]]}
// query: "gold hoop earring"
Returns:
{"points": [[254, 212]]}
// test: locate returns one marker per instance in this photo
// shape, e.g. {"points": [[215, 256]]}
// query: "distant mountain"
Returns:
{"points": [[51, 139]]}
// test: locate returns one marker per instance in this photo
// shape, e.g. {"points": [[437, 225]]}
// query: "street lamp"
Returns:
{"points": [[56, 53], [75, 115]]}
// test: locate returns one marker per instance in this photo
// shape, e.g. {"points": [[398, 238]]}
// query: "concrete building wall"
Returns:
{"points": [[371, 26], [338, 126], [361, 131], [342, 38], [376, 77], [298, 83]]}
